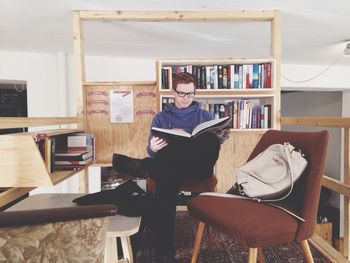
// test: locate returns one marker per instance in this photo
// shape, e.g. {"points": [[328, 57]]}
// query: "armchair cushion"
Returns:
{"points": [[241, 217]]}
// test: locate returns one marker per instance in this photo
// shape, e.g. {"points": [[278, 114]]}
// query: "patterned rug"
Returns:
{"points": [[221, 249]]}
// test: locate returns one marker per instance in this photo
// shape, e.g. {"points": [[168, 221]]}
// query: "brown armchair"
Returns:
{"points": [[256, 225], [70, 234]]}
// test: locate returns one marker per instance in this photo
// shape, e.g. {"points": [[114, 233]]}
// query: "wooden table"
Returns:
{"points": [[119, 225]]}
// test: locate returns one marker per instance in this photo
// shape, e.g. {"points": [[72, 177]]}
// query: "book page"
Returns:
{"points": [[175, 132], [208, 124]]}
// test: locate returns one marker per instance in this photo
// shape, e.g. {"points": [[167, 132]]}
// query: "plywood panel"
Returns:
{"points": [[233, 154], [125, 138], [225, 165], [21, 163]]}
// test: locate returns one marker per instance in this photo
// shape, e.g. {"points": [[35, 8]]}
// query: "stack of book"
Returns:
{"points": [[79, 153], [71, 160]]}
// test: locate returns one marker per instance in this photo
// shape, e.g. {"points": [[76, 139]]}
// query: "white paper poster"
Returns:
{"points": [[121, 106]]}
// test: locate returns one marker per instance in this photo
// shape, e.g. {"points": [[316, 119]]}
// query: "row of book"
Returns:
{"points": [[234, 76], [66, 152], [245, 113]]}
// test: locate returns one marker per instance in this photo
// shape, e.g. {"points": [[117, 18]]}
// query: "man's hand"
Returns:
{"points": [[157, 143]]}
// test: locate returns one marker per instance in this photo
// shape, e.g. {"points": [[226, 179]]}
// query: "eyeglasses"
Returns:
{"points": [[183, 94]]}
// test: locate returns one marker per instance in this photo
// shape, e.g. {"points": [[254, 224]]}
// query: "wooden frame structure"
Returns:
{"points": [[250, 139], [170, 16], [205, 16], [190, 16], [20, 148]]}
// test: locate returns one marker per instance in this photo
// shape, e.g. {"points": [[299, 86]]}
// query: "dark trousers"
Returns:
{"points": [[185, 160]]}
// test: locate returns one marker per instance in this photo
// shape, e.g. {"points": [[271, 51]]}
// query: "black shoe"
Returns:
{"points": [[127, 165]]}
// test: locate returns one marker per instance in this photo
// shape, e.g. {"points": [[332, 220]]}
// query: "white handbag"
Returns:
{"points": [[271, 173]]}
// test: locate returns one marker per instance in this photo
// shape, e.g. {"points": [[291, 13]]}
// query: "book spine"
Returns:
{"points": [[220, 77], [74, 162], [53, 150], [228, 80], [255, 76], [268, 75]]}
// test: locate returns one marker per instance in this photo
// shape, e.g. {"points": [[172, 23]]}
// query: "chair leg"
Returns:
{"points": [[307, 251], [253, 254], [261, 255], [197, 242]]}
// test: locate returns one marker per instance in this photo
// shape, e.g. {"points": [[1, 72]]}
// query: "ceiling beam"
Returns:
{"points": [[180, 16]]}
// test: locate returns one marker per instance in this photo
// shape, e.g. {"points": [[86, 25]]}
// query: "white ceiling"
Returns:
{"points": [[313, 32]]}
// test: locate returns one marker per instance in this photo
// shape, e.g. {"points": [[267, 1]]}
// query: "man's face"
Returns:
{"points": [[184, 94]]}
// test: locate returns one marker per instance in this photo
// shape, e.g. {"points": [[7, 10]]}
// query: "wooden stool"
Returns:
{"points": [[123, 227]]}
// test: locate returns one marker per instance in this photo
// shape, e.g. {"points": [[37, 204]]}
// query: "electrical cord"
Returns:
{"points": [[19, 89], [319, 74]]}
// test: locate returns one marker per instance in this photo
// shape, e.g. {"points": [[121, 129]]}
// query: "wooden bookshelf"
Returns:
{"points": [[23, 166], [240, 86], [244, 135], [24, 162]]}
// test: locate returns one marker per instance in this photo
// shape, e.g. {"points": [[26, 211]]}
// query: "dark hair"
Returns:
{"points": [[184, 78]]}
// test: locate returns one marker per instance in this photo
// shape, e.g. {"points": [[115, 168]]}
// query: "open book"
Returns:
{"points": [[221, 127]]}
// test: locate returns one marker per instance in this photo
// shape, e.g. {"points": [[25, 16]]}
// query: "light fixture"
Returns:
{"points": [[347, 49]]}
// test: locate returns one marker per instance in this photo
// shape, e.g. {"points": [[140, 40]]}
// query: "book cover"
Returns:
{"points": [[73, 156], [220, 127], [215, 75], [255, 79], [228, 76], [203, 78], [208, 70], [268, 75], [163, 78], [81, 142], [53, 150], [220, 77], [73, 162]]}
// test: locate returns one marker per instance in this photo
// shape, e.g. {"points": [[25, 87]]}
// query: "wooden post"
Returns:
{"points": [[84, 180], [346, 198], [276, 54], [79, 58]]}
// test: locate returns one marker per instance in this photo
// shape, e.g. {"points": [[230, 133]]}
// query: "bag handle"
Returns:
{"points": [[291, 176]]}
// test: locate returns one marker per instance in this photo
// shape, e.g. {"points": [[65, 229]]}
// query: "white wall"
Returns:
{"points": [[40, 72], [43, 73], [336, 78], [118, 69], [47, 75], [313, 104]]}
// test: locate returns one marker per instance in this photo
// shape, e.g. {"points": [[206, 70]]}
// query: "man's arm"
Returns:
{"points": [[155, 143]]}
